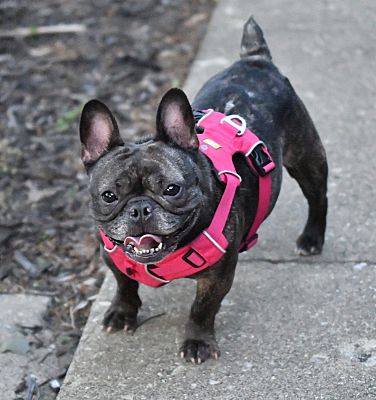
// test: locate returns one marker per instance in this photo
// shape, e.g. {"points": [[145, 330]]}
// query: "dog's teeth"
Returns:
{"points": [[151, 251]]}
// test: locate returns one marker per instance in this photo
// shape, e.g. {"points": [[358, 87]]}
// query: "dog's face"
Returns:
{"points": [[148, 196]]}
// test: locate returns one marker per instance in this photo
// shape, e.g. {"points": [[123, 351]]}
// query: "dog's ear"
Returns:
{"points": [[175, 122], [98, 131]]}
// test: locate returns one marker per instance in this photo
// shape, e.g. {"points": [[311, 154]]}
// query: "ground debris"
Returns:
{"points": [[32, 391], [26, 264], [125, 53], [43, 30]]}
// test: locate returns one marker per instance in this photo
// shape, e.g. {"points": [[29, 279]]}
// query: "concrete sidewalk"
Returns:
{"points": [[291, 328]]}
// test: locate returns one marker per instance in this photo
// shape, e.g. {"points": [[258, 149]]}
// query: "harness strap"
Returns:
{"points": [[219, 220], [265, 185], [220, 135]]}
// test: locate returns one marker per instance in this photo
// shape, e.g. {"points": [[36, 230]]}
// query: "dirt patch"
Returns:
{"points": [[127, 53]]}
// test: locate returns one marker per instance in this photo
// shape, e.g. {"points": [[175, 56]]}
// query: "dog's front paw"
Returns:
{"points": [[117, 318], [309, 244], [198, 351]]}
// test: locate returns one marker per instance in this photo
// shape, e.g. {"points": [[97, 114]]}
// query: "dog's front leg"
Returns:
{"points": [[199, 341], [122, 313]]}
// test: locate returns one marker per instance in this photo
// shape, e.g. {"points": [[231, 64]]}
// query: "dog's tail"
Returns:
{"points": [[253, 44]]}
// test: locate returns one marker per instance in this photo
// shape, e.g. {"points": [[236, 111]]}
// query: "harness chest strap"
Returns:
{"points": [[223, 136], [205, 250]]}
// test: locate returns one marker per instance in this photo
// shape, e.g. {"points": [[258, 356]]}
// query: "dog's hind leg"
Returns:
{"points": [[303, 153], [305, 160]]}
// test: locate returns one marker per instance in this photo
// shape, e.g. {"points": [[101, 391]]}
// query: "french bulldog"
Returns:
{"points": [[156, 195]]}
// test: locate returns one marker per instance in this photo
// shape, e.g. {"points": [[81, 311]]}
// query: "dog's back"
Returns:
{"points": [[254, 88]]}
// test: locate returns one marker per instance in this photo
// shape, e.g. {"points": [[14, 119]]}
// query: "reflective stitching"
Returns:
{"points": [[225, 171], [210, 110], [153, 276], [216, 244], [254, 146], [110, 250]]}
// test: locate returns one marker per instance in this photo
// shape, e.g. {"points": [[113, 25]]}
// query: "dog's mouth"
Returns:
{"points": [[150, 248], [143, 246], [147, 248]]}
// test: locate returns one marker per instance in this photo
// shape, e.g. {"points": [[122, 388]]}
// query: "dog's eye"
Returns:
{"points": [[108, 196], [172, 190]]}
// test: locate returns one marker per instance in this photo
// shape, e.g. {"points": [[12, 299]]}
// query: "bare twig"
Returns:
{"points": [[26, 264], [43, 30], [12, 116], [71, 314], [32, 388], [42, 292]]}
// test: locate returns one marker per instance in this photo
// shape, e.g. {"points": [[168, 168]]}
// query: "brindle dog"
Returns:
{"points": [[160, 193]]}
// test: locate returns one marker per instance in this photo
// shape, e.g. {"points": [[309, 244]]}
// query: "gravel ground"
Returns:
{"points": [[127, 53]]}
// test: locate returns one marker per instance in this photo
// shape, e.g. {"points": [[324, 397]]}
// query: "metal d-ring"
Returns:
{"points": [[241, 128]]}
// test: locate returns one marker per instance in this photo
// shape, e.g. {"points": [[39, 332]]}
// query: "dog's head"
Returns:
{"points": [[147, 197]]}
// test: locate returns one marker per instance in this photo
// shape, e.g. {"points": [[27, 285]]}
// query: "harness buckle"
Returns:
{"points": [[260, 159], [232, 120], [197, 115]]}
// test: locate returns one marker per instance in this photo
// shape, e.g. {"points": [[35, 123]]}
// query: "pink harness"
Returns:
{"points": [[222, 137]]}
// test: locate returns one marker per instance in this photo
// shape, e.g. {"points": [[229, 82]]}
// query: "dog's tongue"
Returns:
{"points": [[145, 242]]}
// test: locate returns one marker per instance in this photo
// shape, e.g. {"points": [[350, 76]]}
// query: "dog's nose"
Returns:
{"points": [[141, 210]]}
